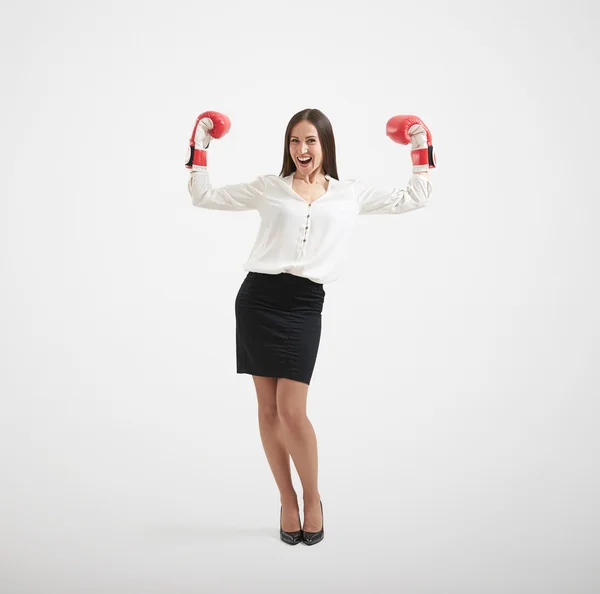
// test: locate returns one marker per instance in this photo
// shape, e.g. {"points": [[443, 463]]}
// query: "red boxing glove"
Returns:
{"points": [[209, 125], [408, 128]]}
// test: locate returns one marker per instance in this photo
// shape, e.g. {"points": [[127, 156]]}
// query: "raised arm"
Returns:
{"points": [[209, 125], [397, 200], [403, 129], [242, 196]]}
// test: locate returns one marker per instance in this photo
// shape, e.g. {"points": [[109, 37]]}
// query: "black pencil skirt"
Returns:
{"points": [[278, 325]]}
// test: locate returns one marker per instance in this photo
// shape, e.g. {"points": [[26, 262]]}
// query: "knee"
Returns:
{"points": [[267, 414], [292, 419], [291, 403]]}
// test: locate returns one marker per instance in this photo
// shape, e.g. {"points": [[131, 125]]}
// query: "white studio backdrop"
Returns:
{"points": [[455, 392]]}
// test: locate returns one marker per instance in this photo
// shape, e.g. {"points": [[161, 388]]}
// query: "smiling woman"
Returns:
{"points": [[307, 218], [309, 154], [309, 134]]}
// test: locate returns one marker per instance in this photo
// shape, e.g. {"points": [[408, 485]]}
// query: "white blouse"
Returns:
{"points": [[308, 240]]}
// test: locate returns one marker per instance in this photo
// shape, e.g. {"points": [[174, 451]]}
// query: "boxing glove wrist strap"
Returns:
{"points": [[423, 158], [196, 157], [420, 156]]}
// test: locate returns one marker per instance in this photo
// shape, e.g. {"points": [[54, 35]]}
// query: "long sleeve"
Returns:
{"points": [[393, 200], [242, 196]]}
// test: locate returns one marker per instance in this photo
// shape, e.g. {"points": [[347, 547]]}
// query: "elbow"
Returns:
{"points": [[422, 202]]}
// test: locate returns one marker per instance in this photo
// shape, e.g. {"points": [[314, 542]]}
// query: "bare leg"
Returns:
{"points": [[301, 441], [276, 451]]}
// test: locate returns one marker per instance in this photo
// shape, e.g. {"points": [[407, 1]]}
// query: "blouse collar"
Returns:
{"points": [[290, 177]]}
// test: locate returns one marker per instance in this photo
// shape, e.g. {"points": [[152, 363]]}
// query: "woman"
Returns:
{"points": [[307, 216]]}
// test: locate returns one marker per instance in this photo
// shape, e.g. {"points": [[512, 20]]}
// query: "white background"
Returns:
{"points": [[455, 392]]}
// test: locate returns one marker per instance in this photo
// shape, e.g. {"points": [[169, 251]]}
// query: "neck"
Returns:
{"points": [[311, 178]]}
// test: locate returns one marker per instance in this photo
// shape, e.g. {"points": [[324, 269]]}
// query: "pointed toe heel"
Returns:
{"points": [[291, 538], [312, 538]]}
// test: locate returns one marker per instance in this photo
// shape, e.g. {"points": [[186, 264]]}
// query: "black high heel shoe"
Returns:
{"points": [[312, 538], [291, 538]]}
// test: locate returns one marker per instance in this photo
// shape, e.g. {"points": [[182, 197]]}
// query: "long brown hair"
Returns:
{"points": [[325, 131]]}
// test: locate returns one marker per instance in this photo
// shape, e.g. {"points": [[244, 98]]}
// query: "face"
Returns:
{"points": [[304, 142]]}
